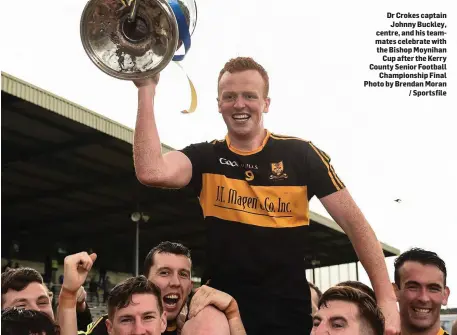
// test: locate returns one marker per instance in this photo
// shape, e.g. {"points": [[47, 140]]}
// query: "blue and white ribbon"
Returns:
{"points": [[183, 28]]}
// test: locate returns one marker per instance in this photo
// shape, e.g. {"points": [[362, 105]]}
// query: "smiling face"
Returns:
{"points": [[34, 296], [242, 101], [171, 273], [421, 295], [141, 316]]}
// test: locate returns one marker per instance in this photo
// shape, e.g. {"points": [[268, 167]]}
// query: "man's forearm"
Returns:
{"points": [[236, 327], [349, 217], [232, 313], [346, 213], [370, 254], [66, 314], [147, 150]]}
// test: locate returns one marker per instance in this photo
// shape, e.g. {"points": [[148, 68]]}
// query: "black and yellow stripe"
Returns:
{"points": [[284, 137], [171, 326], [217, 141], [97, 327], [331, 172]]}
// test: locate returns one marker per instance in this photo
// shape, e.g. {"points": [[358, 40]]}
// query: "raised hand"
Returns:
{"points": [[153, 81], [392, 318], [76, 269], [205, 296]]}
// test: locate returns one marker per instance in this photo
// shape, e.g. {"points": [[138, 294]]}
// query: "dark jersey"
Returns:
{"points": [[256, 208], [84, 318], [171, 330], [97, 327]]}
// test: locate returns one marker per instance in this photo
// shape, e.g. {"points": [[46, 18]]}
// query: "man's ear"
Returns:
{"points": [[447, 292], [396, 290], [218, 105], [109, 326], [267, 105], [163, 322]]}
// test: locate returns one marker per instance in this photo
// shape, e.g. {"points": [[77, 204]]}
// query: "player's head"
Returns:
{"points": [[420, 286], [24, 288], [241, 64], [316, 294], [135, 307], [243, 87], [168, 266], [346, 310], [16, 321], [360, 286]]}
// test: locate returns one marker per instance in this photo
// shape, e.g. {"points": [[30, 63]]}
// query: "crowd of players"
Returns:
{"points": [[163, 301]]}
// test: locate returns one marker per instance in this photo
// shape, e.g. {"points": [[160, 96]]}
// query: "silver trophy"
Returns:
{"points": [[136, 39]]}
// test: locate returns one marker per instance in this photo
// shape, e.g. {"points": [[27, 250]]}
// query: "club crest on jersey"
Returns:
{"points": [[277, 171]]}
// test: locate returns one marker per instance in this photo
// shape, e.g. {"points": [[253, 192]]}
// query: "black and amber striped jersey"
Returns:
{"points": [[171, 329], [256, 207], [98, 327]]}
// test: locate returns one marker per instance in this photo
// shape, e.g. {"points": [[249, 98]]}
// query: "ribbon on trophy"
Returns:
{"points": [[184, 36]]}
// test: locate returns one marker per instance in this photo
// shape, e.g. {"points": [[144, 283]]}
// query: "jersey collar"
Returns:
{"points": [[247, 153]]}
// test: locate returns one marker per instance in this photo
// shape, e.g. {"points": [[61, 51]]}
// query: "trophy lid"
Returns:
{"points": [[130, 50]]}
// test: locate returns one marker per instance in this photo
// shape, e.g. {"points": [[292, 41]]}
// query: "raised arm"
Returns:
{"points": [[348, 216], [171, 170], [76, 268]]}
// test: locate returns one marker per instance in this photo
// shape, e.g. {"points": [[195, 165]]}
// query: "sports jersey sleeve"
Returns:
{"points": [[323, 179], [195, 154]]}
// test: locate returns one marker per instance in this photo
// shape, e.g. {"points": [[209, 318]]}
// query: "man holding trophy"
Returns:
{"points": [[254, 186]]}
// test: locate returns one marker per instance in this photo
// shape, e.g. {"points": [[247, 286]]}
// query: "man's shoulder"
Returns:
{"points": [[206, 143], [287, 138], [301, 144], [213, 143], [294, 143]]}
